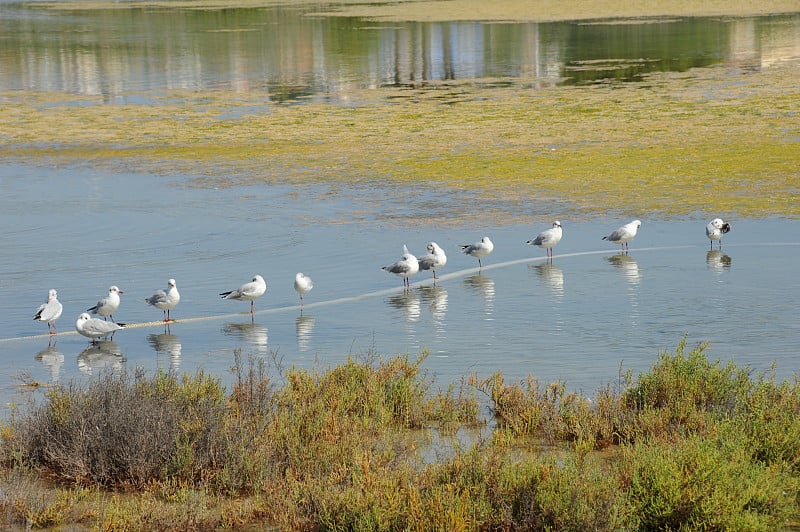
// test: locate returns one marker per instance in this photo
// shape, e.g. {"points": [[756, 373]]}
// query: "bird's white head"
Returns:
{"points": [[556, 224], [52, 294], [115, 290], [171, 283]]}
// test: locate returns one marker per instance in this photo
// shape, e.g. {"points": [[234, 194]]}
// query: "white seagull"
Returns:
{"points": [[405, 267], [109, 304], [49, 311], [248, 292], [715, 229], [478, 249], [95, 328], [624, 234], [548, 239], [165, 301], [303, 284], [435, 258]]}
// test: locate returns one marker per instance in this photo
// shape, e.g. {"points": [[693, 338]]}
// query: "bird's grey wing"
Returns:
{"points": [[616, 235], [426, 262], [158, 297], [397, 267], [233, 294]]}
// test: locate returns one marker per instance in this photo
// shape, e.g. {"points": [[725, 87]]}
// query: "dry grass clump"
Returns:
{"points": [[691, 444]]}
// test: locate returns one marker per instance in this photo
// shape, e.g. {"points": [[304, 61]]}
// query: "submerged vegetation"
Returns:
{"points": [[372, 445]]}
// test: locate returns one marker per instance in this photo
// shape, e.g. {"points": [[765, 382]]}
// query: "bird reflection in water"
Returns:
{"points": [[551, 276], [718, 261], [435, 297], [168, 344], [304, 327], [483, 286], [253, 333], [408, 303], [104, 354], [52, 359], [628, 266]]}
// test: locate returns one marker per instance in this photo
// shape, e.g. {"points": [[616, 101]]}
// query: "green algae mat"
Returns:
{"points": [[705, 141]]}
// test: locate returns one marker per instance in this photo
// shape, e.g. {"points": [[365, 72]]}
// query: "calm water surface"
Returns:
{"points": [[576, 320], [579, 319], [292, 54]]}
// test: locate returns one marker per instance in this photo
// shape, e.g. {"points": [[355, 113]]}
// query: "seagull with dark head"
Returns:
{"points": [[715, 229]]}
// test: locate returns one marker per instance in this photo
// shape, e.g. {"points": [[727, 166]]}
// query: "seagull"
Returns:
{"points": [[303, 284], [548, 239], [715, 229], [166, 301], [49, 311], [624, 234], [247, 292], [107, 305], [95, 328], [435, 258], [478, 249], [405, 267]]}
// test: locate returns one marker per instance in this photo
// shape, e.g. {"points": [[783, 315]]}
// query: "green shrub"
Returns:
{"points": [[685, 389], [708, 484]]}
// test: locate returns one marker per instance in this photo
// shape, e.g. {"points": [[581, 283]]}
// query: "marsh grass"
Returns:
{"points": [[690, 444]]}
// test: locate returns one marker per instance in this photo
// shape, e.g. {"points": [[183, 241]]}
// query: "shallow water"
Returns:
{"points": [[579, 320]]}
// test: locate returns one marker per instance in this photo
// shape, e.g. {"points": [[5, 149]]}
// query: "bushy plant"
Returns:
{"points": [[124, 431], [706, 483]]}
